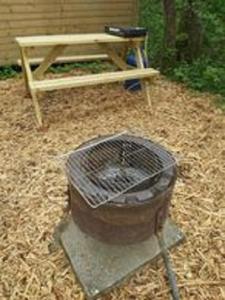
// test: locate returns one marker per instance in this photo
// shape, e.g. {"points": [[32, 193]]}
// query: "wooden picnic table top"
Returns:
{"points": [[72, 39]]}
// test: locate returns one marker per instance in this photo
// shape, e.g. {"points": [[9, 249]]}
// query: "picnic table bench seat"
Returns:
{"points": [[93, 79]]}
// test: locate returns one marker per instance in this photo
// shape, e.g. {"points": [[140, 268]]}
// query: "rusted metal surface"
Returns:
{"points": [[132, 217]]}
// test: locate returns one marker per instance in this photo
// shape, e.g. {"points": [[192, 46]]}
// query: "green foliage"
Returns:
{"points": [[202, 75], [151, 16], [8, 72], [205, 73]]}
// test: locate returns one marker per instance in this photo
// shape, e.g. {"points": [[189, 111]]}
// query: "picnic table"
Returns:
{"points": [[58, 43]]}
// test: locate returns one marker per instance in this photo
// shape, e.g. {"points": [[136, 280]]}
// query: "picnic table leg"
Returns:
{"points": [[124, 51], [113, 55], [36, 107], [48, 60], [24, 72], [145, 84], [29, 83]]}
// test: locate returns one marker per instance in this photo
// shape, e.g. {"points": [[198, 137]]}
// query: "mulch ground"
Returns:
{"points": [[33, 187]]}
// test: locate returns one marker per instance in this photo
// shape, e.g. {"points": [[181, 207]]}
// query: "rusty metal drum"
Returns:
{"points": [[133, 216]]}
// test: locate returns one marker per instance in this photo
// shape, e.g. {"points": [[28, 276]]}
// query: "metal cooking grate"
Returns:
{"points": [[107, 168]]}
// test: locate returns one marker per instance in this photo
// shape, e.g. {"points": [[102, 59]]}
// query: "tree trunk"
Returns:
{"points": [[169, 49], [190, 34]]}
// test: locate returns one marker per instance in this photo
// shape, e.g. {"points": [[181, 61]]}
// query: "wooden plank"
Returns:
{"points": [[93, 79], [72, 25], [20, 19], [49, 29], [136, 12], [73, 39], [29, 83], [28, 12], [48, 60], [66, 21], [23, 64], [41, 17], [53, 2], [83, 49], [118, 61], [14, 47], [26, 66], [145, 85], [12, 55], [68, 59]]}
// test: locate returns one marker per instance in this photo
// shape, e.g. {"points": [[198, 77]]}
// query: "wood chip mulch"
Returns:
{"points": [[33, 187]]}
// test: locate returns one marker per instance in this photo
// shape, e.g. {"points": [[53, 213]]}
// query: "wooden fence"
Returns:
{"points": [[36, 17]]}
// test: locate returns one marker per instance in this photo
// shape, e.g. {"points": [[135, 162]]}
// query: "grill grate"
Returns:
{"points": [[105, 169]]}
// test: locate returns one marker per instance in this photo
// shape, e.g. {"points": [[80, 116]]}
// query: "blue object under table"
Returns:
{"points": [[134, 84]]}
